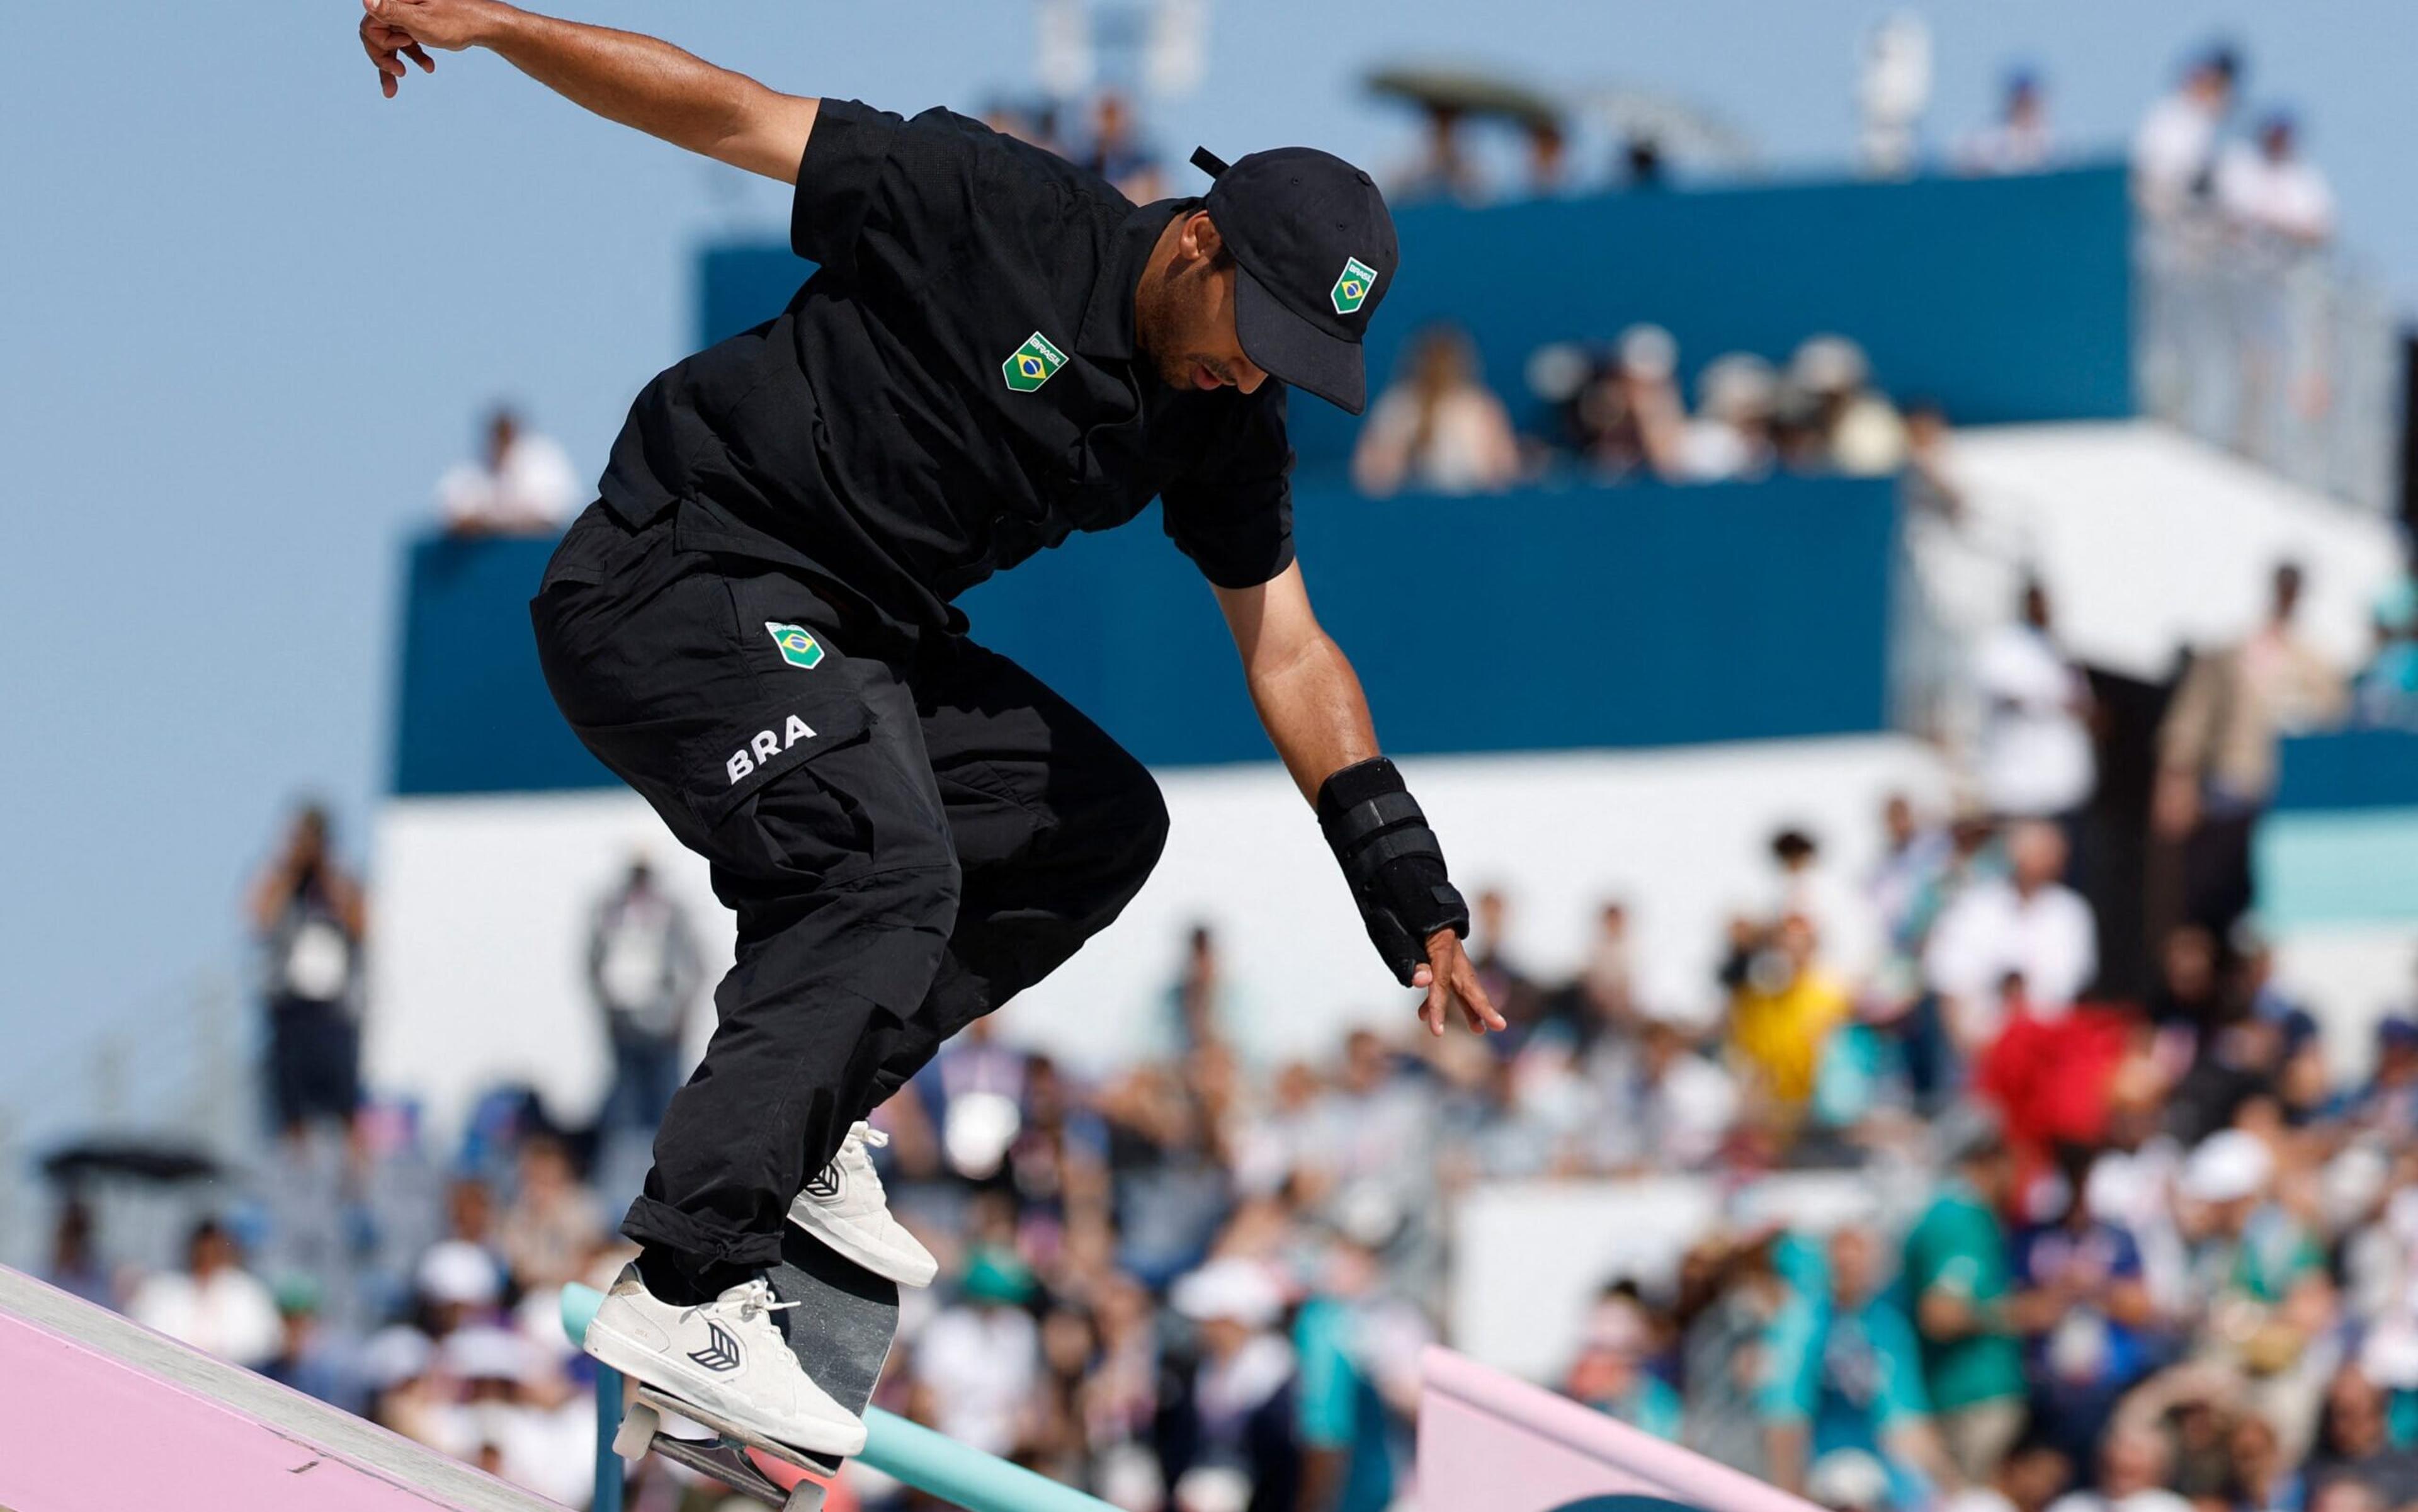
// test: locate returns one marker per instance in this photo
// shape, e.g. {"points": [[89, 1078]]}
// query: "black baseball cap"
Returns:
{"points": [[1314, 253]]}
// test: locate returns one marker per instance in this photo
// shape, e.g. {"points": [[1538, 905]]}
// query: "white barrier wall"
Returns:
{"points": [[482, 904]]}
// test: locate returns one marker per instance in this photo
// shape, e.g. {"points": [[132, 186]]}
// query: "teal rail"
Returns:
{"points": [[931, 1462]]}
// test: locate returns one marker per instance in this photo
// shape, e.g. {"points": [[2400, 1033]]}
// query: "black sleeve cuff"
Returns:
{"points": [[838, 178]]}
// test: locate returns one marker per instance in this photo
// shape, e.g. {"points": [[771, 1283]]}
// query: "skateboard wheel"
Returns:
{"points": [[639, 1426], [805, 1496]]}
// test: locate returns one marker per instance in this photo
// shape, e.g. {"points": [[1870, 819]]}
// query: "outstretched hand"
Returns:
{"points": [[1449, 979], [393, 30]]}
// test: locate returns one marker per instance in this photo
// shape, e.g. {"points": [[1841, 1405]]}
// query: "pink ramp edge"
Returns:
{"points": [[82, 1430], [1490, 1440]]}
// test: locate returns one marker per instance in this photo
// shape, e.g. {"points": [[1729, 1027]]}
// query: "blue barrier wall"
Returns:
{"points": [[2350, 770], [1549, 619], [2006, 299], [472, 714]]}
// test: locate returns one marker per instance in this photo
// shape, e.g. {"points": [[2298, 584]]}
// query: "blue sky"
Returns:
{"points": [[252, 310]]}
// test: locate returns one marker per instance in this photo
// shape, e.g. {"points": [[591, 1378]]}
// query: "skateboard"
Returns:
{"points": [[840, 1332]]}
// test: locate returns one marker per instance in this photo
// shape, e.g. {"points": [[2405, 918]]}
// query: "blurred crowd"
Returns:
{"points": [[2109, 1251], [1617, 412], [2245, 205]]}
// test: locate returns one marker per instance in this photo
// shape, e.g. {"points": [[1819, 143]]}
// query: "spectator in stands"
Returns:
{"points": [[1507, 986], [2083, 1304], [552, 1226], [2269, 188], [1357, 1341], [1444, 169], [75, 1266], [1783, 1005], [1730, 437], [1608, 981], [2019, 141], [1931, 486], [1956, 1272], [522, 484], [2217, 750], [1730, 1294], [1437, 428], [1903, 883], [1237, 1410], [213, 1304], [1642, 165], [2135, 1462], [1118, 153], [1892, 90], [1199, 1000], [1612, 1373], [2027, 1480], [2250, 1253], [1804, 883], [978, 1361], [2036, 760], [307, 1359], [2174, 151], [2386, 696], [1548, 158], [644, 969], [1842, 424], [2388, 1104], [1662, 1106], [1845, 1372], [1634, 410], [458, 1283], [309, 916], [2356, 1445], [2027, 926]]}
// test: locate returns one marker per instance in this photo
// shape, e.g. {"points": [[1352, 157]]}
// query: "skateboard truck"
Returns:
{"points": [[774, 1474]]}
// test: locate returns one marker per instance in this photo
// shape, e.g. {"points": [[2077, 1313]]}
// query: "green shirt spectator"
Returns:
{"points": [[1958, 1251]]}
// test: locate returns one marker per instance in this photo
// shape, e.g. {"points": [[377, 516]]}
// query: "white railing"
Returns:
{"points": [[2284, 354]]}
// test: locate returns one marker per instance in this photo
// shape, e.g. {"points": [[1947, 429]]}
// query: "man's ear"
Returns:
{"points": [[1200, 238]]}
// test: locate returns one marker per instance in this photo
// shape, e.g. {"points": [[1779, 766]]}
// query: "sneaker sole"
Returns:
{"points": [[881, 1264], [639, 1363]]}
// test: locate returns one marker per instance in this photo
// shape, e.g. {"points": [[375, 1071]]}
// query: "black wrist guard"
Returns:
{"points": [[1392, 861]]}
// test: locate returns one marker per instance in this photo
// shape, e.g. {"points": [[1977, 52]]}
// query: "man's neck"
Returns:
{"points": [[1153, 274]]}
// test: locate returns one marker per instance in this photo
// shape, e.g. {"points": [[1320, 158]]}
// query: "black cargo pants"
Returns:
{"points": [[912, 829]]}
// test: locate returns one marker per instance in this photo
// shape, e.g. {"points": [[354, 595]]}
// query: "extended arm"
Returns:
{"points": [[1306, 691], [622, 76], [1316, 715]]}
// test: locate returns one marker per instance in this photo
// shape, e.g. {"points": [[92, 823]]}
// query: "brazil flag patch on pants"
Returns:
{"points": [[798, 645]]}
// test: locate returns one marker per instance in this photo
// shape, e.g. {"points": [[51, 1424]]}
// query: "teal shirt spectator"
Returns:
{"points": [[1849, 1375], [1651, 1405], [1860, 1072], [1337, 1409]]}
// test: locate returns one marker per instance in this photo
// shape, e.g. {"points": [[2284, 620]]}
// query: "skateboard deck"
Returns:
{"points": [[840, 1332]]}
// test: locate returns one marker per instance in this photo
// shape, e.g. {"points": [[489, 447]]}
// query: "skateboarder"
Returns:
{"points": [[754, 627]]}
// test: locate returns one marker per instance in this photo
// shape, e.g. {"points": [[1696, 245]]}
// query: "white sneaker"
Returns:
{"points": [[726, 1358], [843, 1206]]}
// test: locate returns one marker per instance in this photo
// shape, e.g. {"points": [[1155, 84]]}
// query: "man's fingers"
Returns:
{"points": [[414, 51], [1431, 1012], [1474, 1000], [386, 84]]}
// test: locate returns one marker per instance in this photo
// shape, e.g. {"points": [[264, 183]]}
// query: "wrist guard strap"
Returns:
{"points": [[1392, 862]]}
